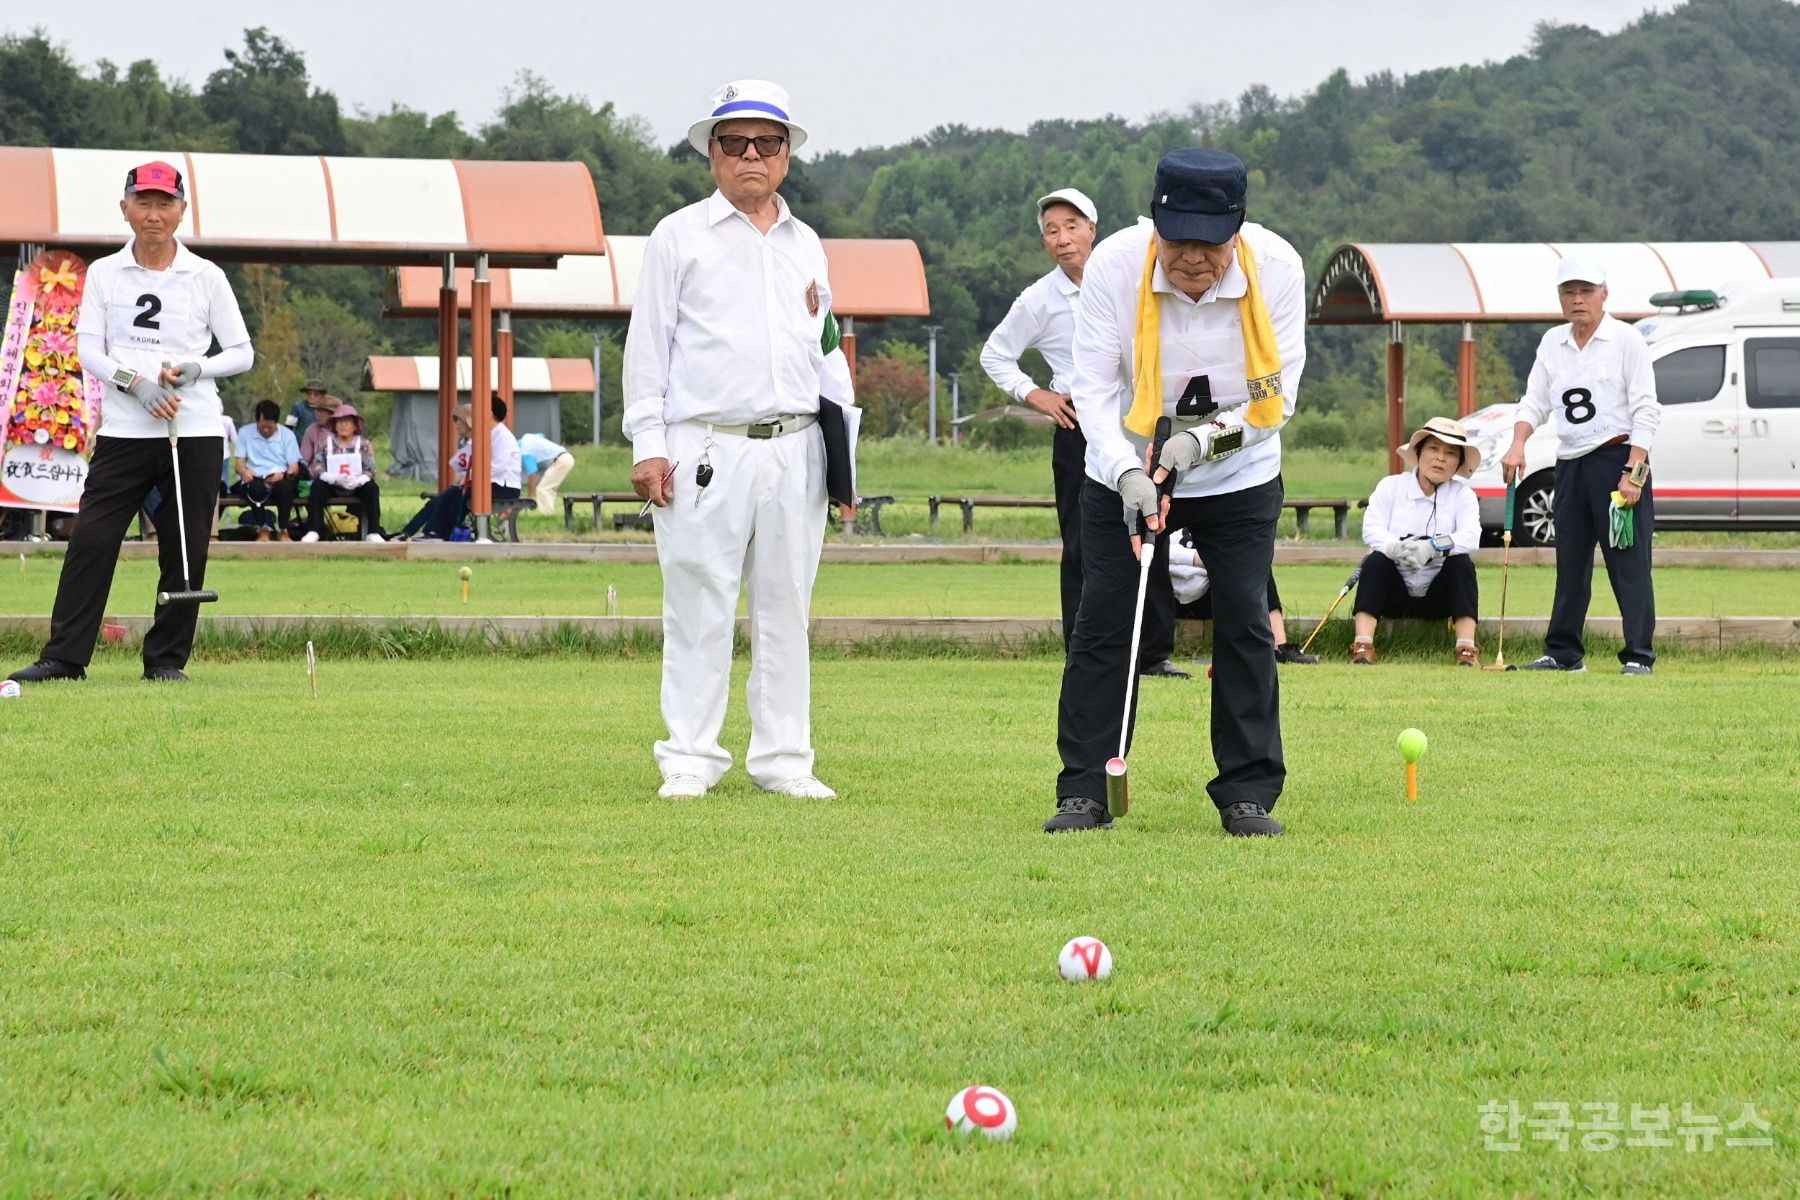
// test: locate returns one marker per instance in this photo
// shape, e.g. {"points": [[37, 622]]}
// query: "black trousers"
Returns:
{"points": [[1382, 592], [1235, 535], [120, 477], [322, 493], [1201, 609], [261, 492], [452, 505], [1584, 488], [1068, 474]]}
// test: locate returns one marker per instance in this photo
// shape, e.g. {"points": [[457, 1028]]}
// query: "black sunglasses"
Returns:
{"points": [[768, 145]]}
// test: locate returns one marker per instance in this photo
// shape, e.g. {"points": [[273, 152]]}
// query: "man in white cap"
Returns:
{"points": [[1593, 376], [722, 378], [1043, 319]]}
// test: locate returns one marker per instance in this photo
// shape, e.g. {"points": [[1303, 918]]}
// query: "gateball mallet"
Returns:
{"points": [[188, 593], [1512, 491], [1118, 791], [1342, 592]]}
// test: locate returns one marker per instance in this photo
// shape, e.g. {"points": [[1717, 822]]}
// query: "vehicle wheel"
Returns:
{"points": [[1533, 517]]}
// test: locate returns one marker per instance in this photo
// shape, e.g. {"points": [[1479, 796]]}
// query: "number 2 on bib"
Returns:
{"points": [[1578, 406], [151, 304]]}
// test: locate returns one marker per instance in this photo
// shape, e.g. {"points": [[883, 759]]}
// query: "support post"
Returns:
{"points": [[1465, 372], [596, 389], [448, 336], [481, 392], [931, 369], [503, 353], [847, 343], [1396, 394]]}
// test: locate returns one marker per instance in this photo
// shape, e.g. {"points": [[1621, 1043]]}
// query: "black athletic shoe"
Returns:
{"points": [[1546, 663], [1165, 669], [1287, 652], [165, 675], [44, 670], [1635, 668], [1078, 812], [1245, 819]]}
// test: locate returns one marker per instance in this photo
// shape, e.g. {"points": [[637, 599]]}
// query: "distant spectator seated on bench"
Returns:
{"points": [[447, 511], [545, 465], [323, 404], [1193, 598], [268, 465], [1421, 527], [343, 465]]}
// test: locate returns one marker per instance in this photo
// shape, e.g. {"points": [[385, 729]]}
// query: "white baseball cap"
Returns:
{"points": [[1584, 267], [1075, 198], [741, 99]]}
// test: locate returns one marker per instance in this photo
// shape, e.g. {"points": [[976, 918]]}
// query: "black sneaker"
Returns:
{"points": [[1245, 819], [45, 670], [1287, 652], [1078, 812], [165, 675], [1546, 663], [1164, 669], [1635, 668]]}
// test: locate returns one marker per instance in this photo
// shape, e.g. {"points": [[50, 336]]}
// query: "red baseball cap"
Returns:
{"points": [[157, 176]]}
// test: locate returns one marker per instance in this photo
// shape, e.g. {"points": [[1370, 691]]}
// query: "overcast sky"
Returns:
{"points": [[859, 74]]}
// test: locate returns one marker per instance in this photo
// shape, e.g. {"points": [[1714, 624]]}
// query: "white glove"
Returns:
{"points": [[1140, 497], [354, 482], [1415, 553]]}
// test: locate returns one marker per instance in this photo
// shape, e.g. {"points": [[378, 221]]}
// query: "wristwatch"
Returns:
{"points": [[1639, 473], [1224, 441], [123, 378]]}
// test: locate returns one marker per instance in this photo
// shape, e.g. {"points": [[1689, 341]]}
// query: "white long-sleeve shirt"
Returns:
{"points": [[1042, 318], [725, 323], [1399, 507], [1594, 392], [1199, 337]]}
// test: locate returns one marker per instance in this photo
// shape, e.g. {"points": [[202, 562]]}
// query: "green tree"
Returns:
{"points": [[265, 97]]}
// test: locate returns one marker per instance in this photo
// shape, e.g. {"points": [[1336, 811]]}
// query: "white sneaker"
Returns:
{"points": [[804, 787], [682, 787], [374, 537], [310, 537]]}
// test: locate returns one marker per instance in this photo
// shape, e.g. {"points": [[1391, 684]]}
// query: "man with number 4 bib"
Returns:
{"points": [[1593, 377], [149, 315]]}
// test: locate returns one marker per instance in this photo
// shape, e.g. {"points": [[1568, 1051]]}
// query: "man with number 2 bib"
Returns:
{"points": [[149, 317], [1593, 377]]}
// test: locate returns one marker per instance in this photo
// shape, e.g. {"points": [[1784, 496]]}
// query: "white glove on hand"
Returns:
{"points": [[1140, 497], [149, 393], [187, 374], [1415, 553], [354, 482]]}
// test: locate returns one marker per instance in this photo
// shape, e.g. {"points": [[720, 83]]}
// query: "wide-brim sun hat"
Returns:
{"points": [[746, 99], [346, 411], [1449, 432]]}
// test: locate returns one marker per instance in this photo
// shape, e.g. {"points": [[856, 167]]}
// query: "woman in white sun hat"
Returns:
{"points": [[1421, 527]]}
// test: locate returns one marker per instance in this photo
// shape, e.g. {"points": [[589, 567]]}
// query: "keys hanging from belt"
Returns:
{"points": [[703, 474]]}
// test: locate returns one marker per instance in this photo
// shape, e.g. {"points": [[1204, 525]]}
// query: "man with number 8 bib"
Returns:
{"points": [[149, 315], [1593, 377], [1197, 315]]}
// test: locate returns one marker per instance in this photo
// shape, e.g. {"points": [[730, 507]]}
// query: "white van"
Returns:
{"points": [[1727, 455]]}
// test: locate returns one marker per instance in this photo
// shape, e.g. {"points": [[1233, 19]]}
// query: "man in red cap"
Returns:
{"points": [[149, 314]]}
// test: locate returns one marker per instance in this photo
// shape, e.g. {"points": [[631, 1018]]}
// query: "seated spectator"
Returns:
{"points": [[1421, 527], [505, 465], [323, 404], [343, 464], [546, 465], [301, 417], [1193, 598], [268, 466], [459, 468]]}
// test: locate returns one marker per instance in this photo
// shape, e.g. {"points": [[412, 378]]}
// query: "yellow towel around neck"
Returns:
{"points": [[1262, 357]]}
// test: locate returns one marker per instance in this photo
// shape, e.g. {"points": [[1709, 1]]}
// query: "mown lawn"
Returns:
{"points": [[431, 935]]}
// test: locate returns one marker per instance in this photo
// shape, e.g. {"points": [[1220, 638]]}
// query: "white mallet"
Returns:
{"points": [[312, 671], [983, 1110], [1084, 958]]}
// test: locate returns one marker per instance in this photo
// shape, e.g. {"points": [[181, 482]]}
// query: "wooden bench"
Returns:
{"points": [[968, 504], [503, 522], [598, 500], [1340, 513]]}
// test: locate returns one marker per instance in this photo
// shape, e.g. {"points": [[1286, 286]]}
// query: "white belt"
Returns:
{"points": [[773, 427]]}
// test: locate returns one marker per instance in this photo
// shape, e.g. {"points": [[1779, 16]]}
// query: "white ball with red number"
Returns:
{"points": [[982, 1110], [1084, 958]]}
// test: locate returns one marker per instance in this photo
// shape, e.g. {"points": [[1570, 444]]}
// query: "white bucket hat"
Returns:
{"points": [[1449, 432], [746, 99]]}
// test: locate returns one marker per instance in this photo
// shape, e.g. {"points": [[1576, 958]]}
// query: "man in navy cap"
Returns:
{"points": [[1197, 315]]}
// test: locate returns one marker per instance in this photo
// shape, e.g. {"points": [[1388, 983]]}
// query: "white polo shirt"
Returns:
{"points": [[1199, 337], [1399, 508], [147, 318], [1594, 392], [725, 323], [505, 462], [1042, 318]]}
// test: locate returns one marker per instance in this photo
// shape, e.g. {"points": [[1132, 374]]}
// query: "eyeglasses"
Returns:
{"points": [[768, 145]]}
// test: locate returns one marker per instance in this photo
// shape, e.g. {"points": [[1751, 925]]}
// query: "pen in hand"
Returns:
{"points": [[667, 475]]}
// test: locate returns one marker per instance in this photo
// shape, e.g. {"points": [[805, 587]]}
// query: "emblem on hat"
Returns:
{"points": [[731, 93]]}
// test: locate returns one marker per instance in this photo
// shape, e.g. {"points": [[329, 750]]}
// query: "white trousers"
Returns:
{"points": [[761, 523], [555, 472]]}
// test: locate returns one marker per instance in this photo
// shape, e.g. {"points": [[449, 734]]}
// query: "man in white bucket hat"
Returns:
{"points": [[722, 384]]}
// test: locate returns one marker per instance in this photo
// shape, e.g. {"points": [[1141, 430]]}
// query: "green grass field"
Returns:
{"points": [[331, 586], [431, 935]]}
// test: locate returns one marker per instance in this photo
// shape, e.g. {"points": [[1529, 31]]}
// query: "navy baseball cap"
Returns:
{"points": [[1199, 196]]}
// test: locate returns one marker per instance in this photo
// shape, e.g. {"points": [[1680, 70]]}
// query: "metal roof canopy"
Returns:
{"points": [[1435, 283], [313, 209], [871, 278], [419, 373]]}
